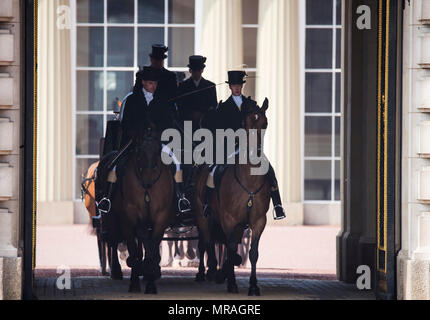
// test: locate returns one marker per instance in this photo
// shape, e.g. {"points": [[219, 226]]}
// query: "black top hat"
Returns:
{"points": [[236, 77], [158, 51], [148, 73], [197, 62]]}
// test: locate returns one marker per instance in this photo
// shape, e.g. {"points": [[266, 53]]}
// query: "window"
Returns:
{"points": [[249, 29], [114, 38], [322, 113]]}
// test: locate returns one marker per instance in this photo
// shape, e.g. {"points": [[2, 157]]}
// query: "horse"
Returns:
{"points": [[144, 199], [241, 201], [107, 248]]}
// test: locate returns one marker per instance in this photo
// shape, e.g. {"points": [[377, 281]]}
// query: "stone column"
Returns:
{"points": [[413, 268], [222, 41], [11, 106], [357, 238], [278, 79], [55, 154]]}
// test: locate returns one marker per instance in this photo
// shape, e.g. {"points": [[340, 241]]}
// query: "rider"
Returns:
{"points": [[141, 103], [167, 84], [196, 95], [231, 116]]}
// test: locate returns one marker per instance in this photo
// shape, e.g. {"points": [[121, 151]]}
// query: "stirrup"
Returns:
{"points": [[101, 201], [187, 204], [275, 217]]}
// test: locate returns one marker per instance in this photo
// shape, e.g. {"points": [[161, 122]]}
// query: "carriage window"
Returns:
{"points": [[322, 100], [113, 38]]}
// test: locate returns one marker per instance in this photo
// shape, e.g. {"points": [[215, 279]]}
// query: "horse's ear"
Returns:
{"points": [[265, 105]]}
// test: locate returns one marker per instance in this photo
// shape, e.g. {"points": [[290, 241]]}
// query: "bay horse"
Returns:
{"points": [[241, 200], [144, 198]]}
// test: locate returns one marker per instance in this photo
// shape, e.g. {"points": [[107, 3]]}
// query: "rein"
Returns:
{"points": [[85, 186], [146, 186]]}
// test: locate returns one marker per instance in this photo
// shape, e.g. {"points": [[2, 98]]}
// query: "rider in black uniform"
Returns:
{"points": [[144, 102], [230, 115]]}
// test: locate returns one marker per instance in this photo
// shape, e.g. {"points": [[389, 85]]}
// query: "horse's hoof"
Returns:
{"points": [[200, 277], [135, 287], [105, 273], [210, 275], [237, 260], [116, 275], [232, 288], [220, 277], [150, 288], [254, 291]]}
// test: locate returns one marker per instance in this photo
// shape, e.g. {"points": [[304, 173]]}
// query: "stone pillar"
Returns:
{"points": [[222, 41], [357, 238], [278, 79], [54, 140], [11, 105], [413, 261]]}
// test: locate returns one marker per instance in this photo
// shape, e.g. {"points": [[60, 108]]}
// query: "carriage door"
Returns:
{"points": [[388, 145]]}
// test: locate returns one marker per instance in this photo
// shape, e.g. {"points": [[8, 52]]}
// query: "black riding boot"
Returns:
{"points": [[184, 204], [276, 197], [207, 198]]}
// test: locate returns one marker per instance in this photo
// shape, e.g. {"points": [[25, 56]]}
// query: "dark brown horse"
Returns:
{"points": [[242, 201], [144, 199]]}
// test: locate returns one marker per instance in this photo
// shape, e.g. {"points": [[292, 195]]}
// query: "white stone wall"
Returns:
{"points": [[413, 260], [10, 110]]}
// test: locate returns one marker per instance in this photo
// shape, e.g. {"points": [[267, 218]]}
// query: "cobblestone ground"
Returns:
{"points": [[185, 288]]}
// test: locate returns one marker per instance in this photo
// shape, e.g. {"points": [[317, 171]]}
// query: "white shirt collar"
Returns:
{"points": [[148, 96], [196, 83], [238, 100]]}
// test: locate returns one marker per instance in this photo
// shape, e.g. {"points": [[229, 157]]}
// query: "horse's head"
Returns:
{"points": [[255, 118], [148, 145]]}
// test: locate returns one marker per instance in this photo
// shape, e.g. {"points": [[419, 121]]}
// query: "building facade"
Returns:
{"points": [[103, 44]]}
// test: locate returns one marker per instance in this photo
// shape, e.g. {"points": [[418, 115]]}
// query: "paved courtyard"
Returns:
{"points": [[294, 263], [302, 249], [185, 288]]}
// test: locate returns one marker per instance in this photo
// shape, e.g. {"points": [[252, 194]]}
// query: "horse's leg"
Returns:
{"points": [[200, 276], [140, 255], [116, 272], [128, 230], [134, 263], [151, 265], [229, 264], [101, 245], [234, 237], [220, 274], [257, 230], [212, 262]]}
